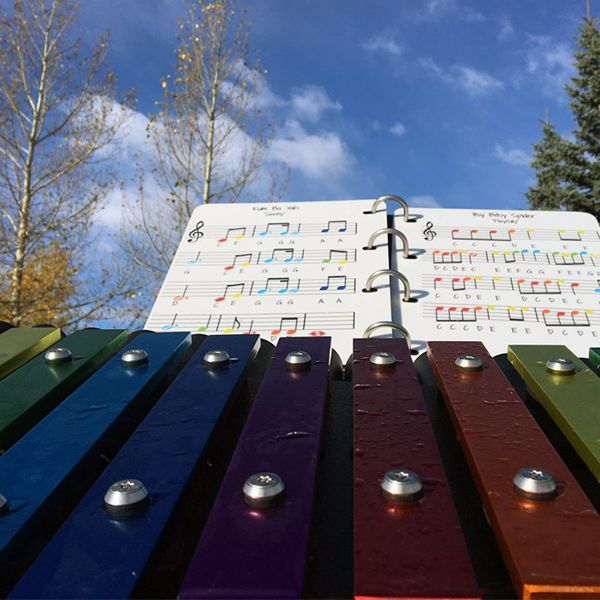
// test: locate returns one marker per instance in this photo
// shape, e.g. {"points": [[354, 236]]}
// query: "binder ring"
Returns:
{"points": [[391, 273], [393, 231], [383, 199], [379, 324]]}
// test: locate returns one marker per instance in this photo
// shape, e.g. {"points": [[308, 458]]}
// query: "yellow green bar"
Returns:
{"points": [[20, 344], [572, 401]]}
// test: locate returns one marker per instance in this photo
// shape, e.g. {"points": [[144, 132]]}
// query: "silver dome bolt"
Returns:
{"points": [[383, 360], [57, 356], [468, 362], [125, 496], [216, 358], [3, 504], [401, 486], [263, 490], [134, 357], [298, 360], [534, 483], [560, 366]]}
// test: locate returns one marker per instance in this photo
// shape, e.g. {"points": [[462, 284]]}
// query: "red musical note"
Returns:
{"points": [[317, 333]]}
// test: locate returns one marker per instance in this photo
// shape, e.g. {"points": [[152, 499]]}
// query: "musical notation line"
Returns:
{"points": [[549, 317], [525, 256], [303, 323], [525, 286], [273, 229], [487, 234], [278, 257], [180, 291]]}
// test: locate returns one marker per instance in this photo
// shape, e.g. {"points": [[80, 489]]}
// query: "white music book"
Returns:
{"points": [[501, 277], [284, 269], [301, 269]]}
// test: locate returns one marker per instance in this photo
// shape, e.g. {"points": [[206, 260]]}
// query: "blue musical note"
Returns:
{"points": [[343, 226], [332, 278]]}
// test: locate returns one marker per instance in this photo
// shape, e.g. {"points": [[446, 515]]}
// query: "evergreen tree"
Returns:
{"points": [[585, 104], [568, 171], [557, 162]]}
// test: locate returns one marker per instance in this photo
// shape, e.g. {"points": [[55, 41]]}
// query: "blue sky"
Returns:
{"points": [[435, 100]]}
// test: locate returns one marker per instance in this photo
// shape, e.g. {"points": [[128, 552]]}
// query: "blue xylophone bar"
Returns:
{"points": [[96, 555], [43, 474]]}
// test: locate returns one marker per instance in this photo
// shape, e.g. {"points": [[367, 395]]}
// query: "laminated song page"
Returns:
{"points": [[284, 269], [501, 277]]}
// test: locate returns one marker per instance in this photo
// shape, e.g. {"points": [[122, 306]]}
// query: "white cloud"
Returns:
{"points": [[424, 201], [398, 129], [438, 9], [514, 156], [476, 83], [383, 42], [506, 28], [316, 156], [550, 63], [310, 102]]}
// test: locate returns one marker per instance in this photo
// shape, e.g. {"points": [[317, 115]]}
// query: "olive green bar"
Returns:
{"points": [[32, 391], [20, 344], [573, 401], [595, 357]]}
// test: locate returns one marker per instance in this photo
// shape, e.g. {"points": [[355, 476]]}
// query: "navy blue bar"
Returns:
{"points": [[95, 556], [44, 472]]}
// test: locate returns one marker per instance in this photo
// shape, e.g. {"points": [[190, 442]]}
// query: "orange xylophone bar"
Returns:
{"points": [[549, 538]]}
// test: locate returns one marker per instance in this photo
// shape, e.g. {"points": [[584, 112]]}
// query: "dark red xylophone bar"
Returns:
{"points": [[249, 552], [550, 546], [414, 550]]}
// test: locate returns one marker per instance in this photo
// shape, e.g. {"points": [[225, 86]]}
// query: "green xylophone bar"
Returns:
{"points": [[33, 390], [17, 346], [569, 392]]}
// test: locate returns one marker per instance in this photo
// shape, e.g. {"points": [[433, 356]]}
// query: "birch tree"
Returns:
{"points": [[209, 138], [58, 116]]}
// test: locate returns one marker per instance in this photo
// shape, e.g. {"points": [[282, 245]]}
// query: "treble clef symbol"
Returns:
{"points": [[428, 232], [195, 234]]}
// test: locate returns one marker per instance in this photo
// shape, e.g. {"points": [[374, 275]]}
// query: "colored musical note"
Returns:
{"points": [[195, 234], [459, 283], [288, 253], [339, 256], [429, 233], [177, 299], [338, 281], [341, 225], [436, 280], [234, 326], [287, 324], [447, 257], [280, 228], [203, 328], [238, 236], [573, 236], [452, 313], [238, 290], [280, 281], [194, 261], [170, 325], [246, 258], [516, 314]]}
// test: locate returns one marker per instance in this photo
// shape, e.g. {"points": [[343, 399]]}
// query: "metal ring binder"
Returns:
{"points": [[379, 324], [383, 199], [391, 273], [393, 231]]}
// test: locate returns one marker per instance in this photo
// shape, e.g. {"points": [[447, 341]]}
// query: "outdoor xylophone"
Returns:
{"points": [[157, 465]]}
